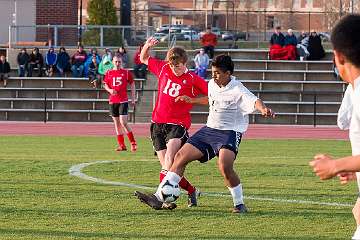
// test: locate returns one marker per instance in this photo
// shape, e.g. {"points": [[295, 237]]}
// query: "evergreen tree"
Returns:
{"points": [[102, 12]]}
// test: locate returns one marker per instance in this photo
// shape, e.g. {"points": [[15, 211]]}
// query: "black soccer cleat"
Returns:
{"points": [[153, 202], [240, 208], [192, 198]]}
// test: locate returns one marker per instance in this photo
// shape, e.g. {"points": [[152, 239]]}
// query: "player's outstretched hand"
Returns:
{"points": [[183, 98], [151, 41], [324, 166], [346, 177], [267, 112]]}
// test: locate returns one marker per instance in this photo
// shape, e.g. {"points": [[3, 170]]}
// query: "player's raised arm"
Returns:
{"points": [[144, 54], [265, 111]]}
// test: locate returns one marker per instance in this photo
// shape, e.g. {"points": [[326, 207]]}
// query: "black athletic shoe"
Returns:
{"points": [[240, 209], [153, 202], [192, 198]]}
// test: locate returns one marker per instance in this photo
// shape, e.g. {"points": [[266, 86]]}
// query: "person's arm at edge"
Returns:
{"points": [[204, 100]]}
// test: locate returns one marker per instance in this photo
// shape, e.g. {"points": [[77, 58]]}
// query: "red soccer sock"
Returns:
{"points": [[186, 185], [131, 137], [162, 174], [120, 139]]}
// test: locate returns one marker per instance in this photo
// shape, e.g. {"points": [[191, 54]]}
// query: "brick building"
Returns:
{"points": [[56, 12]]}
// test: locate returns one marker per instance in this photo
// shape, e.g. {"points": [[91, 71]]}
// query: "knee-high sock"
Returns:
{"points": [[131, 138], [186, 185], [237, 194], [120, 140]]}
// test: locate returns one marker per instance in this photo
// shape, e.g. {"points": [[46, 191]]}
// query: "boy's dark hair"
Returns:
{"points": [[224, 63], [345, 38], [176, 55]]}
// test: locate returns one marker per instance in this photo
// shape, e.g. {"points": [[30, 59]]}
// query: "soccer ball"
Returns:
{"points": [[170, 191]]}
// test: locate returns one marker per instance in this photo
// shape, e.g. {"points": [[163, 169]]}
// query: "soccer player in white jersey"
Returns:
{"points": [[345, 38], [230, 102]]}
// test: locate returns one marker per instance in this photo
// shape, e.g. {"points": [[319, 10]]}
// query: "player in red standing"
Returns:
{"points": [[115, 83], [177, 89]]}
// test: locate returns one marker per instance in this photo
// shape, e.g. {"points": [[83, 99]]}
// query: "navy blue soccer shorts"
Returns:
{"points": [[209, 141]]}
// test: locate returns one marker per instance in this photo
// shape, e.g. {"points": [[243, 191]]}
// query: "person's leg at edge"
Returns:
{"points": [[185, 155], [124, 124], [119, 134], [231, 179]]}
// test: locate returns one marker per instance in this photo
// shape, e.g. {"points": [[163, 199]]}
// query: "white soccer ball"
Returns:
{"points": [[170, 191]]}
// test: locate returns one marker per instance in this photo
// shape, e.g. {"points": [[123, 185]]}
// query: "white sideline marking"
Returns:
{"points": [[76, 171]]}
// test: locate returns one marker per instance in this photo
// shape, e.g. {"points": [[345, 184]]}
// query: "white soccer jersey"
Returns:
{"points": [[345, 110], [354, 131], [229, 106]]}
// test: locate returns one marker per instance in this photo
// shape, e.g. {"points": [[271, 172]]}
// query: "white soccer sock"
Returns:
{"points": [[171, 176], [356, 235], [237, 194]]}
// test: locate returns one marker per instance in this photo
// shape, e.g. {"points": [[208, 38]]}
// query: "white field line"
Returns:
{"points": [[76, 171]]}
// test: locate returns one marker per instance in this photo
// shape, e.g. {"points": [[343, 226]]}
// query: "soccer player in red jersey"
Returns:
{"points": [[115, 83], [177, 89]]}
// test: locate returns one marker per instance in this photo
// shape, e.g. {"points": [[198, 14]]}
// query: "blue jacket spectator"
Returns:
{"points": [[89, 60], [50, 61], [63, 61], [290, 38], [23, 62], [277, 37]]}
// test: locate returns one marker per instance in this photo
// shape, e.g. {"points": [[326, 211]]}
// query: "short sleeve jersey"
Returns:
{"points": [[118, 80], [354, 132], [171, 86], [229, 106]]}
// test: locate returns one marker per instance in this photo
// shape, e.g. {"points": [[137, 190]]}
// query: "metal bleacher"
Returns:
{"points": [[56, 99], [300, 92]]}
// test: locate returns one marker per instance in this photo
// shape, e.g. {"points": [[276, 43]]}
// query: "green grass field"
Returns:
{"points": [[40, 200]]}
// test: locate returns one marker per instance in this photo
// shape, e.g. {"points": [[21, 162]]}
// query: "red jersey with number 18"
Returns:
{"points": [[118, 80], [171, 86]]}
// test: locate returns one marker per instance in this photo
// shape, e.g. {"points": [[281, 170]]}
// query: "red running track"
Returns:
{"points": [[255, 131]]}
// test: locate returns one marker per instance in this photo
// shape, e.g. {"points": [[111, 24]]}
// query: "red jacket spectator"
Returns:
{"points": [[209, 39], [137, 56]]}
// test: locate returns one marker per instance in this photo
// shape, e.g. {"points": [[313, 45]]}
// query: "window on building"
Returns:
{"points": [[270, 22], [177, 21]]}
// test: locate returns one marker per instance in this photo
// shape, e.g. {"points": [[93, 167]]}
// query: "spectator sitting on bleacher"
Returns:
{"points": [[107, 53], [78, 61], [121, 53], [139, 67], [23, 62], [105, 65], [50, 61], [201, 61], [302, 35], [63, 61], [277, 42], [301, 47], [36, 62], [209, 42], [290, 43], [315, 47], [94, 76], [4, 69], [93, 52]]}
